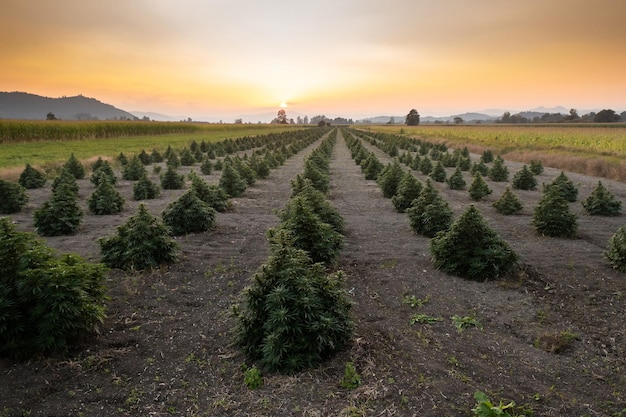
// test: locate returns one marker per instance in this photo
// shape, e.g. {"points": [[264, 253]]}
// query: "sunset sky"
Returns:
{"points": [[219, 59]]}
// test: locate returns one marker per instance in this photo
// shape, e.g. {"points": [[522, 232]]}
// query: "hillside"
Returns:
{"points": [[17, 105]]}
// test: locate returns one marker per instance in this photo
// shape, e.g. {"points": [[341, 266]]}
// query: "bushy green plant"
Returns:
{"points": [[478, 188], [294, 315], [371, 167], [310, 233], [601, 202], [206, 167], [45, 302], [189, 214], [486, 157], [144, 157], [390, 178], [60, 215], [408, 190], [156, 156], [140, 243], [616, 251], [426, 165], [471, 249], [105, 199], [245, 171], [144, 189], [429, 213], [524, 180], [318, 177], [74, 167], [134, 169], [552, 216], [30, 178], [260, 167], [231, 181], [171, 180], [498, 171], [315, 200], [479, 168], [104, 171], [213, 195], [564, 187], [66, 178], [12, 197], [123, 159], [172, 159], [536, 167], [438, 172], [456, 180], [508, 203], [186, 157]]}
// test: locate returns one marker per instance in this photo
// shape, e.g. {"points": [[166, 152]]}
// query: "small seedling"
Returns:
{"points": [[424, 319], [462, 323], [485, 408], [252, 378], [412, 301], [351, 379]]}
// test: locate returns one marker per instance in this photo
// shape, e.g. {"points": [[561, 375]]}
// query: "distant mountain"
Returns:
{"points": [[157, 116], [17, 105]]}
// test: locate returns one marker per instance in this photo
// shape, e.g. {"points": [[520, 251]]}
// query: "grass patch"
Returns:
{"points": [[42, 153]]}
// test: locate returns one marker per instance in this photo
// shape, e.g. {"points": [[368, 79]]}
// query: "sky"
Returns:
{"points": [[223, 59]]}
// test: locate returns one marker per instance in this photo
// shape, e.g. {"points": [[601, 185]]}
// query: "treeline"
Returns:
{"points": [[603, 116]]}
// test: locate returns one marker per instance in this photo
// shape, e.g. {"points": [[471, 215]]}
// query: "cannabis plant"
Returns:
{"points": [[13, 197], [601, 202], [189, 214], [30, 178]]}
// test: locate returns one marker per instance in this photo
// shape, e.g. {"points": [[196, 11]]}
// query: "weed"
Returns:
{"points": [[462, 323], [412, 301], [485, 408], [424, 319]]}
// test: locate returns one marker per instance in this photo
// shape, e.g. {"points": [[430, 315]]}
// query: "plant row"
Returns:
{"points": [[46, 302], [296, 314], [431, 216]]}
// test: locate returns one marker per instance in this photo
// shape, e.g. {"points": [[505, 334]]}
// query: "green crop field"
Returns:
{"points": [[593, 149], [44, 143]]}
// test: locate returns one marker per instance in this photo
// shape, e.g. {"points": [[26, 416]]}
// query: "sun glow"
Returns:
{"points": [[283, 105]]}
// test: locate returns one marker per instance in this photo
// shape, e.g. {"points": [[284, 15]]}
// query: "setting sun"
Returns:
{"points": [[283, 105]]}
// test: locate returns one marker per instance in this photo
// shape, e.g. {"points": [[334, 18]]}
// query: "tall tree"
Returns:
{"points": [[413, 118]]}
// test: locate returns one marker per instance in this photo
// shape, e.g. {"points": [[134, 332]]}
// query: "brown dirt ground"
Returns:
{"points": [[166, 346]]}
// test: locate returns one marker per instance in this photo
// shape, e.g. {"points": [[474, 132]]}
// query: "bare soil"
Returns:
{"points": [[553, 335]]}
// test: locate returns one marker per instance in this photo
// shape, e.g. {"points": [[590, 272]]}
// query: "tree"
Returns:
{"points": [[471, 249], [50, 116], [281, 117], [413, 118], [606, 116], [458, 120]]}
